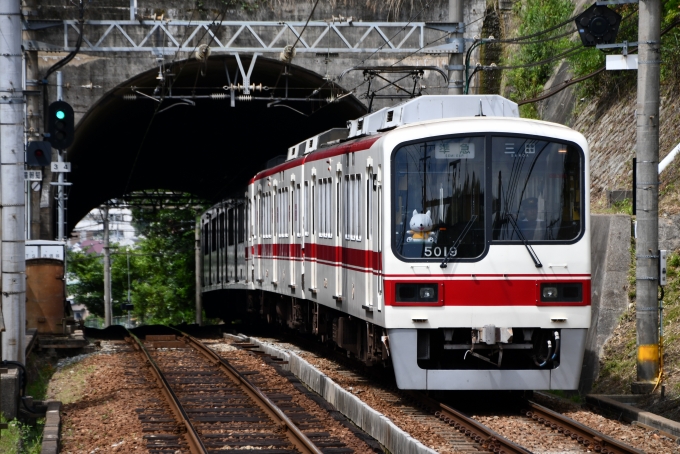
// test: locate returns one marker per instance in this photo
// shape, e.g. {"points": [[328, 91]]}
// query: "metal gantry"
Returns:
{"points": [[169, 36]]}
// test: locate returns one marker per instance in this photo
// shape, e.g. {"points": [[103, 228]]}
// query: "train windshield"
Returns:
{"points": [[439, 198], [536, 189]]}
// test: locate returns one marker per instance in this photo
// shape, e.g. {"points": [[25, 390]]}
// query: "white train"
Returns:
{"points": [[445, 235]]}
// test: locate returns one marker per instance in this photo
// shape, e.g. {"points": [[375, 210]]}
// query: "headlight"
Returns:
{"points": [[562, 292], [416, 293], [549, 292], [427, 293]]}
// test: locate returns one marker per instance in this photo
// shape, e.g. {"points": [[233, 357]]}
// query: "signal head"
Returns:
{"points": [[60, 125]]}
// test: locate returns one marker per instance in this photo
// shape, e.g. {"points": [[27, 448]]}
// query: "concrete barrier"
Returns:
{"points": [[370, 421], [52, 430], [610, 256]]}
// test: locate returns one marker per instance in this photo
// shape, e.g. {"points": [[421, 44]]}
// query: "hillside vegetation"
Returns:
{"points": [[605, 114]]}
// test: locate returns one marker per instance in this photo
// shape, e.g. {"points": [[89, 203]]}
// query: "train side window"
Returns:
{"points": [[322, 208], [296, 214], [305, 217], [213, 236], [347, 210], [240, 224], [222, 232], [369, 207], [357, 206], [329, 190], [337, 206], [230, 227]]}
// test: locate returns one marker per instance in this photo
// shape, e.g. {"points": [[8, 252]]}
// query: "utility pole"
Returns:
{"points": [[12, 212], [34, 125], [107, 269], [647, 202], [199, 272], [455, 66]]}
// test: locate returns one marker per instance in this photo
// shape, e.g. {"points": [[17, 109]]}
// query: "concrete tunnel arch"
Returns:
{"points": [[209, 150]]}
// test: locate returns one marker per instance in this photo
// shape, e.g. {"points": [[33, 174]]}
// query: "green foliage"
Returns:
{"points": [[163, 290], [162, 268], [39, 381], [535, 16], [85, 277], [624, 206], [21, 438]]}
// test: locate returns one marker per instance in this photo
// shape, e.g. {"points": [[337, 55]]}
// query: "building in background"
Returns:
{"points": [[89, 232]]}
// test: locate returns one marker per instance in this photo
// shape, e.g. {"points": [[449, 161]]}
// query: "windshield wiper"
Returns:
{"points": [[454, 248], [517, 230]]}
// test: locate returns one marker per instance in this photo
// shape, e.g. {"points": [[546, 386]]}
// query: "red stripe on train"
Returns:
{"points": [[501, 292]]}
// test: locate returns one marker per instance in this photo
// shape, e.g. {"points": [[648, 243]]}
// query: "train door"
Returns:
{"points": [[259, 235], [221, 250], [340, 258], [379, 237], [294, 233], [306, 246], [205, 245], [277, 225], [240, 242], [313, 264], [368, 222], [213, 249], [231, 255]]}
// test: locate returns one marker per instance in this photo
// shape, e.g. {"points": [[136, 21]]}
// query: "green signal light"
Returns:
{"points": [[60, 114]]}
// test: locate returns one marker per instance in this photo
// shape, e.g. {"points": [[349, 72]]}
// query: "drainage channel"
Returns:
{"points": [[214, 408]]}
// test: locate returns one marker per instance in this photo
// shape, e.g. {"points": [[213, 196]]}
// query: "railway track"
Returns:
{"points": [[590, 439], [526, 427], [212, 407]]}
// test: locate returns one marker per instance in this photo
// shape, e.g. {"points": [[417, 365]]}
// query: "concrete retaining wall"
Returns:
{"points": [[610, 255], [373, 423]]}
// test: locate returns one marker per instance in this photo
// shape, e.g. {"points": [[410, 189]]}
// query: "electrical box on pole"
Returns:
{"points": [[38, 154], [60, 125], [663, 255]]}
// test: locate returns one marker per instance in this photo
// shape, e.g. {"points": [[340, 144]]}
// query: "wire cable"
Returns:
{"points": [[306, 23]]}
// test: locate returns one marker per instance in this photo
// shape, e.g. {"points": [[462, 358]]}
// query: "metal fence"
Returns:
{"points": [[123, 320]]}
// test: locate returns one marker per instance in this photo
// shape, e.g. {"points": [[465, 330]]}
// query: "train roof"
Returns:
{"points": [[417, 110]]}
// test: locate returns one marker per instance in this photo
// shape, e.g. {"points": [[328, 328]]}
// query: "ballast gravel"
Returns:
{"points": [[519, 429]]}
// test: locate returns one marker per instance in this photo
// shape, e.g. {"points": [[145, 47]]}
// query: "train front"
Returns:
{"points": [[487, 274]]}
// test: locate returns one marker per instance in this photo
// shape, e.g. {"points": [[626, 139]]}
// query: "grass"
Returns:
{"points": [[618, 364], [21, 438], [69, 383]]}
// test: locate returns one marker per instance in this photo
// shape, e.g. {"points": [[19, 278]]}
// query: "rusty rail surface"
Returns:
{"points": [[196, 446], [292, 432], [487, 438], [590, 438]]}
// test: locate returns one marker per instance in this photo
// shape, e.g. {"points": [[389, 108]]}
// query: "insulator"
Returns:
{"points": [[218, 96], [245, 98], [129, 97]]}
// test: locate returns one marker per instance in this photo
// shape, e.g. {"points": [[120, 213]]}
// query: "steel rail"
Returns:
{"points": [[483, 435], [295, 435], [196, 446], [584, 435]]}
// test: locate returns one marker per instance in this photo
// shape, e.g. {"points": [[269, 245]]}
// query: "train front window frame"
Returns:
{"points": [[438, 188], [550, 180]]}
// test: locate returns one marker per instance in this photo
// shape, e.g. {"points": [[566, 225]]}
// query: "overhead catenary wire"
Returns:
{"points": [[156, 110]]}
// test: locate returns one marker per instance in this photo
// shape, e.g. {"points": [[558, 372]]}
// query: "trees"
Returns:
{"points": [[161, 270]]}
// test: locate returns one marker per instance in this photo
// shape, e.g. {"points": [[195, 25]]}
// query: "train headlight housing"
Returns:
{"points": [[427, 293], [416, 293], [549, 292], [562, 292]]}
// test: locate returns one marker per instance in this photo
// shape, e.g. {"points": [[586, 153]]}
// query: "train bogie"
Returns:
{"points": [[444, 235]]}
